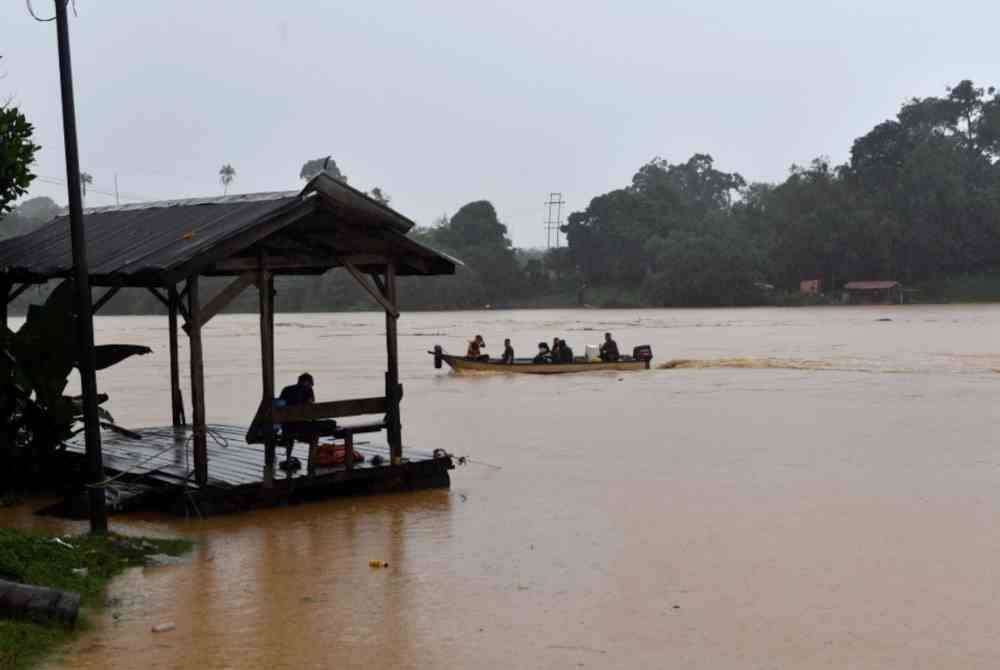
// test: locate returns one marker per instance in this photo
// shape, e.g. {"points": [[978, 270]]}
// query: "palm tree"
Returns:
{"points": [[226, 175], [85, 180]]}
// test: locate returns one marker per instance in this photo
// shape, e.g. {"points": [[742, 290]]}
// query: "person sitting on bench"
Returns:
{"points": [[300, 393]]}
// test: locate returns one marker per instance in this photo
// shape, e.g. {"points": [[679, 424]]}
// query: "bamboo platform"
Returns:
{"points": [[156, 471]]}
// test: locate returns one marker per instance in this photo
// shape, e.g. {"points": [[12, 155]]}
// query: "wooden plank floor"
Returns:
{"points": [[164, 455]]}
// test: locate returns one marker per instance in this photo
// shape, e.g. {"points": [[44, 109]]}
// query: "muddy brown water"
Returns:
{"points": [[808, 488]]}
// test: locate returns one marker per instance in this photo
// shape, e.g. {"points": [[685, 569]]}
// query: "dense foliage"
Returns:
{"points": [[17, 152], [35, 365], [918, 200]]}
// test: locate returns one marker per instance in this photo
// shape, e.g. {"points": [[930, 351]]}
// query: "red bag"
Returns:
{"points": [[331, 454]]}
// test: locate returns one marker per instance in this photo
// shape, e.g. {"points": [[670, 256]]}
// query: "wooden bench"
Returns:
{"points": [[315, 421]]}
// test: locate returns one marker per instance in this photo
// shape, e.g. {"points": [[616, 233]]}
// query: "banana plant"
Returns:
{"points": [[35, 365]]}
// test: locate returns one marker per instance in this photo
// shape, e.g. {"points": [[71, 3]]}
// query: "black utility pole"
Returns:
{"points": [[84, 311]]}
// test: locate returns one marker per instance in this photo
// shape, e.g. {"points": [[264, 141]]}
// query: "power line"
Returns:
{"points": [[38, 18], [90, 189], [31, 10]]}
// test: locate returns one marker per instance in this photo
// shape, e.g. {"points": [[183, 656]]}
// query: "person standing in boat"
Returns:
{"points": [[609, 349], [508, 353], [476, 350], [299, 393]]}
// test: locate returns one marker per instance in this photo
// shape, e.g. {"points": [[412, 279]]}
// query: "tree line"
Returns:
{"points": [[918, 201]]}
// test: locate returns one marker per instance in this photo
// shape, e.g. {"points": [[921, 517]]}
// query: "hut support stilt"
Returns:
{"points": [[265, 291], [176, 399], [394, 427], [197, 384], [5, 295]]}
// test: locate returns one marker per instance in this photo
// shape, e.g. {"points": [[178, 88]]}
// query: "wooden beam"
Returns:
{"points": [[4, 292], [103, 300], [13, 295], [166, 301], [394, 428], [159, 296], [273, 263], [377, 295], [224, 297], [330, 410], [176, 399], [268, 225], [197, 385]]}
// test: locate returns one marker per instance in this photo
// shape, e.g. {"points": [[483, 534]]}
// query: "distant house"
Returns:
{"points": [[811, 286], [867, 292]]}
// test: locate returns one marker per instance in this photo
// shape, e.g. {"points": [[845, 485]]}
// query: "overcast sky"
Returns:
{"points": [[441, 102]]}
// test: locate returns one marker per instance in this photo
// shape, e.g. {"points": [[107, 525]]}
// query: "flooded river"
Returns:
{"points": [[804, 488]]}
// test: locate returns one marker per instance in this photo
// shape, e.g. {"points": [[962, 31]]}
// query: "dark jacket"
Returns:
{"points": [[297, 394], [609, 351]]}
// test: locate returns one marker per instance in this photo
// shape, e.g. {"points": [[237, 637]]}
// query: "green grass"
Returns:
{"points": [[24, 643], [56, 563]]}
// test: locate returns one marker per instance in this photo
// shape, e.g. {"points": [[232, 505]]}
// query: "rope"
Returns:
{"points": [[462, 460]]}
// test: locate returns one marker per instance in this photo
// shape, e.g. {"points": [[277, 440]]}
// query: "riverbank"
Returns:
{"points": [[84, 564], [295, 297]]}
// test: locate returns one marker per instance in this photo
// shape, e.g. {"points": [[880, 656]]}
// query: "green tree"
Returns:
{"points": [[379, 195], [608, 239], [226, 175], [17, 153], [86, 179], [317, 166]]}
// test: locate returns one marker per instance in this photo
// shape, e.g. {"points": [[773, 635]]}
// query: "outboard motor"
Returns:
{"points": [[644, 353], [437, 356]]}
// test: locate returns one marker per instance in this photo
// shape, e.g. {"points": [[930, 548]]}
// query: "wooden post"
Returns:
{"points": [[394, 429], [197, 384], [349, 451], [265, 291], [4, 297], [4, 310], [86, 363], [176, 399]]}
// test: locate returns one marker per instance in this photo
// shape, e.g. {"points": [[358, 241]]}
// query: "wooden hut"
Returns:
{"points": [[166, 248], [862, 292]]}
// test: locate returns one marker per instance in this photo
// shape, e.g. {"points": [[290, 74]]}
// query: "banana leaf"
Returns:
{"points": [[106, 355]]}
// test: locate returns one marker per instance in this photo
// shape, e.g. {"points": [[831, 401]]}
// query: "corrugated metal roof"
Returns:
{"points": [[236, 198], [870, 285], [144, 243]]}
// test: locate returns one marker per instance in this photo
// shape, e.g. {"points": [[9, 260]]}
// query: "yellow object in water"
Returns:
{"points": [[377, 564]]}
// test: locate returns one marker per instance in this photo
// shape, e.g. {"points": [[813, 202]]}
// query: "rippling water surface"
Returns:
{"points": [[802, 488]]}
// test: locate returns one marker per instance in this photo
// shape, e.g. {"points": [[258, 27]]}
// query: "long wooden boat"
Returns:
{"points": [[527, 366]]}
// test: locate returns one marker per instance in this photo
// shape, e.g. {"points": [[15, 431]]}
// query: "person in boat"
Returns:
{"points": [[544, 354], [565, 353], [556, 350], [299, 393], [609, 350], [477, 349], [508, 353]]}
